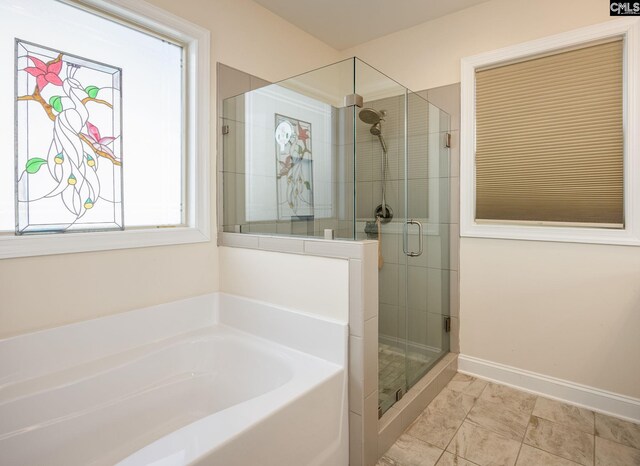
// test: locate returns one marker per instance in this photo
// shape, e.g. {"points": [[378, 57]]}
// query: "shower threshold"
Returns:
{"points": [[398, 368]]}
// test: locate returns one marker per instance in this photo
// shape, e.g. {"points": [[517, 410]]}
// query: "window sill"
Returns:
{"points": [[553, 234], [66, 243]]}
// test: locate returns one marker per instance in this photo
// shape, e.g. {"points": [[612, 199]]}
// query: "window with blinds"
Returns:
{"points": [[549, 139]]}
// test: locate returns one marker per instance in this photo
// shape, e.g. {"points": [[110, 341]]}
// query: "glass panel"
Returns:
{"points": [[69, 174], [427, 236], [380, 146], [288, 156], [413, 282]]}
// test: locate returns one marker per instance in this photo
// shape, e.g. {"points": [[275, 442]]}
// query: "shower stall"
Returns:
{"points": [[345, 152]]}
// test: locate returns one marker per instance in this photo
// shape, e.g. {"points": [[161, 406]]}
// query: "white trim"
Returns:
{"points": [[628, 27], [196, 43], [601, 401]]}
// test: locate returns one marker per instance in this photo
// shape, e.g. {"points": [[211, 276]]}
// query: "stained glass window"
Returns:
{"points": [[95, 131], [289, 155], [104, 111], [294, 168], [68, 132]]}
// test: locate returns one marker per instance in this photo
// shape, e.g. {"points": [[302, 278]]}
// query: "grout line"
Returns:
{"points": [[518, 455], [424, 441], [441, 455], [454, 436], [524, 435], [556, 454], [617, 443], [552, 454], [465, 418], [522, 441], [483, 389], [594, 439], [559, 456]]}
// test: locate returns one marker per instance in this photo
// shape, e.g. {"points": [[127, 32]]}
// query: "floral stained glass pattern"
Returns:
{"points": [[68, 154], [294, 171]]}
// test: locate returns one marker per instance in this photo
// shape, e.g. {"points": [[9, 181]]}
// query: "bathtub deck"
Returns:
{"points": [[104, 411]]}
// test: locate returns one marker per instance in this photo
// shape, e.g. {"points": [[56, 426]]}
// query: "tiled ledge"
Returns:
{"points": [[404, 412], [343, 249]]}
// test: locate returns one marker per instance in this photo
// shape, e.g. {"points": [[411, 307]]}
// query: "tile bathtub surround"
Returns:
{"points": [[473, 422]]}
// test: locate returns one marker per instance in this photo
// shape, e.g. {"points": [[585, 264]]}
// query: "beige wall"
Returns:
{"points": [[250, 38], [428, 55], [571, 311], [35, 293], [310, 284], [566, 310]]}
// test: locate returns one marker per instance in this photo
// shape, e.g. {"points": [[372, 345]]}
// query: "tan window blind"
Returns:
{"points": [[549, 142]]}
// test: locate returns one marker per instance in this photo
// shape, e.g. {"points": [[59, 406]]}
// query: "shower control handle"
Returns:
{"points": [[406, 239]]}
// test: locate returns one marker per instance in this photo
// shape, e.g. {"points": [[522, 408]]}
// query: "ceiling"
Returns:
{"points": [[345, 23]]}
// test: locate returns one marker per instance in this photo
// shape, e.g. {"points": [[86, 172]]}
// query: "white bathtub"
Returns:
{"points": [[216, 380]]}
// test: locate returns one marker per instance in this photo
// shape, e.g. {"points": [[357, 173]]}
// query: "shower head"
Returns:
{"points": [[371, 116], [374, 117], [375, 129]]}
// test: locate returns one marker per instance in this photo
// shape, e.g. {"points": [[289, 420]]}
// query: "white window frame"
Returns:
{"points": [[196, 43], [629, 29]]}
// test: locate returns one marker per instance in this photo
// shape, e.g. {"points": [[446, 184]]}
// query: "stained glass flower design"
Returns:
{"points": [[45, 73], [98, 142], [294, 170], [60, 184]]}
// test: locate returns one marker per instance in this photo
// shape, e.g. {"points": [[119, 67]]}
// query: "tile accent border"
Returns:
{"points": [[341, 249], [400, 416], [601, 401]]}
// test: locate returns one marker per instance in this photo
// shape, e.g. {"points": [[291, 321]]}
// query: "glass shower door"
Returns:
{"points": [[402, 163], [425, 237]]}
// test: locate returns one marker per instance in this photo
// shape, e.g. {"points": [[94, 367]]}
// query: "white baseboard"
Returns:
{"points": [[602, 401]]}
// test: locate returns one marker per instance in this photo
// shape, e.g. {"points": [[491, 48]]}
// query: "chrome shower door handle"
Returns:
{"points": [[406, 239]]}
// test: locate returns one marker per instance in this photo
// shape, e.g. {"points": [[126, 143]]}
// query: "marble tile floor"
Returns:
{"points": [[477, 423], [392, 367]]}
